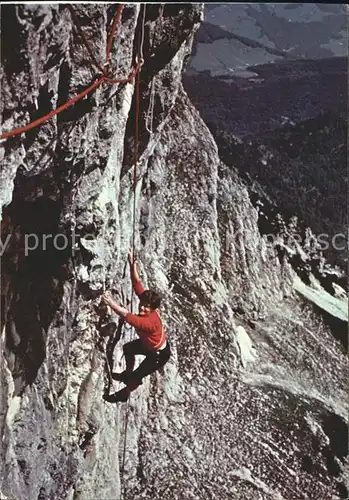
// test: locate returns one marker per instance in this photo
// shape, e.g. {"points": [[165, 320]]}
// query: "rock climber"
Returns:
{"points": [[152, 342]]}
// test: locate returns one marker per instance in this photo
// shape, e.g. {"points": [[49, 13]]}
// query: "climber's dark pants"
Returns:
{"points": [[153, 361]]}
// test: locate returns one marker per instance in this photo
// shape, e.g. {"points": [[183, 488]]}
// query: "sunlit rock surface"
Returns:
{"points": [[252, 403]]}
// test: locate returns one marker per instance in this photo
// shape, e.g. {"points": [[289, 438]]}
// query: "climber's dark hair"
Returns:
{"points": [[150, 298]]}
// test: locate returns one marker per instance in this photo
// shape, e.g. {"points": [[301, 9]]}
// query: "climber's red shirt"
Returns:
{"points": [[148, 327]]}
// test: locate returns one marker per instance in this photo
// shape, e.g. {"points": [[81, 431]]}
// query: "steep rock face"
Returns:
{"points": [[252, 402]]}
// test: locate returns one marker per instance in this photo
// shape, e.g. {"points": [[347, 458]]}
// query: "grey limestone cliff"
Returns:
{"points": [[252, 403]]}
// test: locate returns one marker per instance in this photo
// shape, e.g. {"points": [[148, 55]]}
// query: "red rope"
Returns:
{"points": [[52, 113], [112, 34], [127, 80], [85, 92]]}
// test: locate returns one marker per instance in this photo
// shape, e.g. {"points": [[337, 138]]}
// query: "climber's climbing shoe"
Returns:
{"points": [[117, 397]]}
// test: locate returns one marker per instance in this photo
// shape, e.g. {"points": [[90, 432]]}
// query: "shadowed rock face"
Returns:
{"points": [[252, 403]]}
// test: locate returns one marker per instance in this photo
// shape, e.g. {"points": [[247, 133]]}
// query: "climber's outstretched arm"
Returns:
{"points": [[137, 322], [136, 282], [121, 311]]}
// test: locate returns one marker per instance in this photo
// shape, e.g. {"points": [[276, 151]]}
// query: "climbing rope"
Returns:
{"points": [[113, 340], [111, 35], [135, 162], [102, 79], [149, 119]]}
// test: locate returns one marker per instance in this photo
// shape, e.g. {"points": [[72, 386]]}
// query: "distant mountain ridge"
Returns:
{"points": [[270, 81], [274, 31], [209, 33]]}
